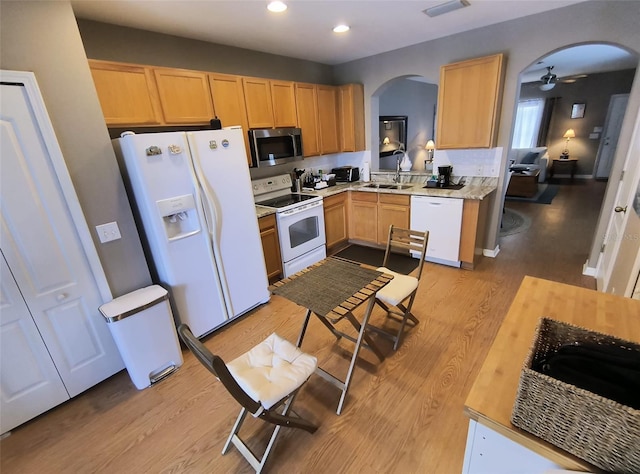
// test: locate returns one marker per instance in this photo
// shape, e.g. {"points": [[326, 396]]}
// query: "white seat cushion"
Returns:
{"points": [[272, 370], [398, 289]]}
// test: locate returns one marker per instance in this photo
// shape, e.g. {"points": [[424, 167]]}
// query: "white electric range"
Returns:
{"points": [[300, 220]]}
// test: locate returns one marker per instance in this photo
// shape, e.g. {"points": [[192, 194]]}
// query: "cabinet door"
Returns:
{"points": [[184, 96], [364, 217], [307, 108], [328, 118], [335, 221], [45, 254], [393, 209], [127, 93], [30, 383], [257, 96], [229, 105], [351, 98], [284, 103], [271, 247], [468, 103]]}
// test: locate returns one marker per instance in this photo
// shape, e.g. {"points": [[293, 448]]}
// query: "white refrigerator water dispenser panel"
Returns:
{"points": [[179, 216]]}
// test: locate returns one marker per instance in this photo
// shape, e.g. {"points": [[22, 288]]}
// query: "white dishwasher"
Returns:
{"points": [[442, 217]]}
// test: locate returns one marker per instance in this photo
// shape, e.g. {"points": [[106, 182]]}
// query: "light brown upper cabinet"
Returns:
{"points": [[257, 95], [228, 102], [307, 108], [283, 99], [184, 96], [351, 114], [469, 97], [127, 93], [328, 119]]}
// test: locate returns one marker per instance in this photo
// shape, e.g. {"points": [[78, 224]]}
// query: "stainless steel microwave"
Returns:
{"points": [[275, 146]]}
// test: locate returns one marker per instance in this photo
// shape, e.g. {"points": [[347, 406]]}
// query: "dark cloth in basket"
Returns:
{"points": [[610, 371]]}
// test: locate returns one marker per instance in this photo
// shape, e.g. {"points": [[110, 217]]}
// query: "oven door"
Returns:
{"points": [[301, 230]]}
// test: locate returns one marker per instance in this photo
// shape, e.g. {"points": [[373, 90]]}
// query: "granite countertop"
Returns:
{"points": [[475, 188]]}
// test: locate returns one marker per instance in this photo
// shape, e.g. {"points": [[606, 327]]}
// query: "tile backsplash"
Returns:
{"points": [[471, 162]]}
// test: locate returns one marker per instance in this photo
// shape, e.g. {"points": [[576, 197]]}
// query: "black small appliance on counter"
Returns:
{"points": [[346, 174], [444, 176]]}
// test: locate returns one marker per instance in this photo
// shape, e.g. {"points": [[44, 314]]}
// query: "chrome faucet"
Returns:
{"points": [[396, 179]]}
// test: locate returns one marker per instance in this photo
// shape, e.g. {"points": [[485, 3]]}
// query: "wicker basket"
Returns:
{"points": [[598, 430]]}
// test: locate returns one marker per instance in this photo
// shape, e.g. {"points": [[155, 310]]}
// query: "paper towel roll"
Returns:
{"points": [[366, 172]]}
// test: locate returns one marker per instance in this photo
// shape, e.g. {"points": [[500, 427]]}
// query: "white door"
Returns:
{"points": [[609, 141], [44, 252], [616, 264], [29, 382]]}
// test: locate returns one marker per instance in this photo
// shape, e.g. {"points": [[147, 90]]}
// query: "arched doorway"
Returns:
{"points": [[587, 76], [413, 97]]}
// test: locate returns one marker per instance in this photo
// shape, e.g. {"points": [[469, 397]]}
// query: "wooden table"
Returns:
{"points": [[560, 162], [331, 289], [490, 401], [523, 183]]}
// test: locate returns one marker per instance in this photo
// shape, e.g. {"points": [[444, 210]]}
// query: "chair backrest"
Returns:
{"points": [[217, 367], [403, 240]]}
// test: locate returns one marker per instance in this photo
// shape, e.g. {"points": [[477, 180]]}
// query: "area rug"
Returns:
{"points": [[370, 256], [513, 222], [546, 193]]}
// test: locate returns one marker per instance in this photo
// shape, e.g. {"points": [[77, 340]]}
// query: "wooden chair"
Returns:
{"points": [[397, 297], [261, 380]]}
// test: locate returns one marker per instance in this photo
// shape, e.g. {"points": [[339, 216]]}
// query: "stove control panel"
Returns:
{"points": [[269, 185]]}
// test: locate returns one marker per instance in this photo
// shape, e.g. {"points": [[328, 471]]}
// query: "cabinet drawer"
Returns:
{"points": [[267, 221], [362, 196], [400, 199]]}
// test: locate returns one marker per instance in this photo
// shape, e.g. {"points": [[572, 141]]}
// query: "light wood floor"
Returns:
{"points": [[403, 415]]}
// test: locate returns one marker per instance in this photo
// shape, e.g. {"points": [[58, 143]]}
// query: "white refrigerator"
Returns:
{"points": [[193, 198]]}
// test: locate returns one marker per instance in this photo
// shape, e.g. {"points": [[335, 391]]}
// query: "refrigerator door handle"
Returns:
{"points": [[211, 213]]}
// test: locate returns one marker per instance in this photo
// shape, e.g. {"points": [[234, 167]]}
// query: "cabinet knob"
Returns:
{"points": [[61, 296]]}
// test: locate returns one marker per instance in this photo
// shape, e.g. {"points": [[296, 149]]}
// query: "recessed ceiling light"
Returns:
{"points": [[276, 7], [341, 28]]}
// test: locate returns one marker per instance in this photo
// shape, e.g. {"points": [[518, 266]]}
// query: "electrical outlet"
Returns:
{"points": [[108, 232]]}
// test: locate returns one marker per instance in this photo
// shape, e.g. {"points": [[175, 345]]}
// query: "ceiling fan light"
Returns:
{"points": [[547, 86]]}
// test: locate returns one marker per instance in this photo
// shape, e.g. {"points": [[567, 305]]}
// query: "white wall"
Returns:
{"points": [[43, 37], [523, 41]]}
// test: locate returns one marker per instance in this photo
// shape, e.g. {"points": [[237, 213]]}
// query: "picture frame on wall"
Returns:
{"points": [[577, 110]]}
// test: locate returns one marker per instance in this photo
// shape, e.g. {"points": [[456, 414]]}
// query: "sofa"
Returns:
{"points": [[527, 159]]}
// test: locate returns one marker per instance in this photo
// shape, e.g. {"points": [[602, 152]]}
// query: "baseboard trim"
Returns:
{"points": [[491, 253], [587, 270]]}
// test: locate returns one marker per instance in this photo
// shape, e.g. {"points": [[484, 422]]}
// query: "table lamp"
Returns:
{"points": [[569, 134]]}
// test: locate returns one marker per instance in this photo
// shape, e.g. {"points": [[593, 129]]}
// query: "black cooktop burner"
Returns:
{"points": [[284, 201]]}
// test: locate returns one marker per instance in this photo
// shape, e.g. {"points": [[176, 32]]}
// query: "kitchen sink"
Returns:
{"points": [[388, 186]]}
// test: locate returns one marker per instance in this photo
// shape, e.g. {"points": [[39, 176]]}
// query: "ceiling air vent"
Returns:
{"points": [[446, 7]]}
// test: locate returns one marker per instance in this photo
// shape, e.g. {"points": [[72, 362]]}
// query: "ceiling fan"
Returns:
{"points": [[548, 80]]}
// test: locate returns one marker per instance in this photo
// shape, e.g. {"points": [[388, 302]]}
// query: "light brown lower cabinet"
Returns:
{"points": [[474, 218], [393, 209], [373, 213], [271, 247], [336, 221]]}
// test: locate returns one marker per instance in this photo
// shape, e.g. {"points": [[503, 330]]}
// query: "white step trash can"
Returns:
{"points": [[142, 326]]}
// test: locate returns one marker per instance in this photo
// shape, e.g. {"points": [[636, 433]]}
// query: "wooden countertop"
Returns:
{"points": [[493, 393]]}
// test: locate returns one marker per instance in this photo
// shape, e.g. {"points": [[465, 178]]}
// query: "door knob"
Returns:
{"points": [[621, 209]]}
